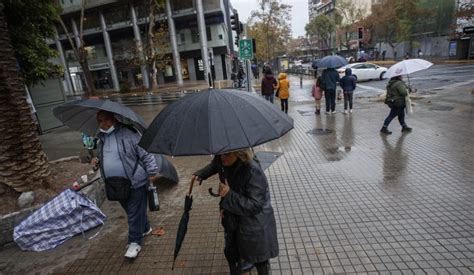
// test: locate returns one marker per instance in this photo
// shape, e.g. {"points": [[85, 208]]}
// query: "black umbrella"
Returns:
{"points": [[332, 61], [183, 223], [166, 169], [214, 122], [81, 115]]}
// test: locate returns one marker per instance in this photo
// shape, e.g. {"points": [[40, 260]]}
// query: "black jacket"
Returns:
{"points": [[249, 202], [330, 78]]}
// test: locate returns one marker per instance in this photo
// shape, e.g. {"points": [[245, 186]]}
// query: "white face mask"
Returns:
{"points": [[108, 131]]}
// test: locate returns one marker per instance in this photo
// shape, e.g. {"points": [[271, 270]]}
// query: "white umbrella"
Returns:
{"points": [[407, 67]]}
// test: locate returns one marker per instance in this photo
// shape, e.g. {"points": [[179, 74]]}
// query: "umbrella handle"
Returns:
{"points": [[212, 193], [191, 186]]}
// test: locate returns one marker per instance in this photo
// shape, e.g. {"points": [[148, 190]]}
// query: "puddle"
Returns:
{"points": [[441, 108], [320, 132], [306, 113]]}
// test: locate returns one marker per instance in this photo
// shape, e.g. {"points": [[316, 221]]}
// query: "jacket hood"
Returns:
{"points": [[282, 76], [348, 71], [268, 75], [391, 82]]}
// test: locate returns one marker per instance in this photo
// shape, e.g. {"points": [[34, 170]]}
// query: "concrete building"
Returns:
{"points": [[116, 30]]}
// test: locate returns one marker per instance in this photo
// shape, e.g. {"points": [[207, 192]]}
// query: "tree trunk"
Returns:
{"points": [[151, 47], [23, 164], [87, 73]]}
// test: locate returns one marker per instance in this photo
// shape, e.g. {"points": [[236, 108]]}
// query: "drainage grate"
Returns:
{"points": [[320, 132]]}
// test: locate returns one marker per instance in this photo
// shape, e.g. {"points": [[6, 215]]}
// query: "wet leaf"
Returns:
{"points": [[180, 264], [160, 231]]}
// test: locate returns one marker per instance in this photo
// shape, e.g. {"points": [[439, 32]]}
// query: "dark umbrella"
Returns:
{"points": [[332, 61], [214, 122], [80, 115], [166, 169], [183, 223]]}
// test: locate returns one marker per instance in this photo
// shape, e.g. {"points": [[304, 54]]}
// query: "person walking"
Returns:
{"points": [[268, 86], [330, 77], [384, 52], [317, 93], [283, 91], [397, 90], [246, 211], [121, 160], [348, 85]]}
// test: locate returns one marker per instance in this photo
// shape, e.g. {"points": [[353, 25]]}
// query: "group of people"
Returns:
{"points": [[282, 87], [245, 208]]}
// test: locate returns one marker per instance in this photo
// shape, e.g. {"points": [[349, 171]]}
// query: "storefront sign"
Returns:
{"points": [[100, 66], [452, 48]]}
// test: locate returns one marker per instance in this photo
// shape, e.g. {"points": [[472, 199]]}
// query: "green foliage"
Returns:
{"points": [[29, 23], [321, 26]]}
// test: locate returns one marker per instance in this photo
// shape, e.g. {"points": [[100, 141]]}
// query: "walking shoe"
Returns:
{"points": [[328, 113], [318, 112], [406, 129], [350, 111], [345, 111], [133, 250], [246, 266], [148, 232], [333, 112], [384, 130]]}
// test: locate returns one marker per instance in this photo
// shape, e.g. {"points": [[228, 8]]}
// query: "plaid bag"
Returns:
{"points": [[66, 215]]}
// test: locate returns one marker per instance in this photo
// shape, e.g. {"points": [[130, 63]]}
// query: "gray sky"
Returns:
{"points": [[299, 12]]}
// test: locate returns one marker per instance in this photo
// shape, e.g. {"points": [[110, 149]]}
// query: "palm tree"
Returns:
{"points": [[23, 164]]}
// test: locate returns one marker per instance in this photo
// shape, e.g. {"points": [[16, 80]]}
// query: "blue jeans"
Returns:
{"points": [[136, 207], [269, 98], [394, 111]]}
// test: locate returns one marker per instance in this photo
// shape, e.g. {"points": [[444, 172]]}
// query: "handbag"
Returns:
{"points": [[277, 93], [118, 188]]}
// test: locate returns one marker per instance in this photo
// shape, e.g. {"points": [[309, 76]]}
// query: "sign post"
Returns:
{"points": [[246, 53]]}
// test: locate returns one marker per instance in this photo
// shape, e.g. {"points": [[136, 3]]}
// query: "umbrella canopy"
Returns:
{"points": [[332, 61], [214, 122], [80, 115], [166, 168], [407, 67]]}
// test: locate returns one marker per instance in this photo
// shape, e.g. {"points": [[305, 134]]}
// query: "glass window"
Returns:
{"points": [[194, 35], [91, 20], [116, 15], [182, 38]]}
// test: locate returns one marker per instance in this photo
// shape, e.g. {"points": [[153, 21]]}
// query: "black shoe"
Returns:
{"points": [[246, 267], [384, 130], [406, 129]]}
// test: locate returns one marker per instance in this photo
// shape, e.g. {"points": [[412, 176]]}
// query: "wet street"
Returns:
{"points": [[346, 199]]}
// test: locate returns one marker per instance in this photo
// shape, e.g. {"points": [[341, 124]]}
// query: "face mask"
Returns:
{"points": [[108, 131]]}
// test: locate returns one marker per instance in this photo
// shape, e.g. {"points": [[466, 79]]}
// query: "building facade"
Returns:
{"points": [[115, 32]]}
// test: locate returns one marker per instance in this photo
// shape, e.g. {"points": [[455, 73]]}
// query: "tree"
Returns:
{"points": [[347, 14], [28, 37], [23, 164], [270, 26], [80, 51], [321, 27]]}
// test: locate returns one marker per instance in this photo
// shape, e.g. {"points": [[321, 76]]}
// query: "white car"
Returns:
{"points": [[364, 71]]}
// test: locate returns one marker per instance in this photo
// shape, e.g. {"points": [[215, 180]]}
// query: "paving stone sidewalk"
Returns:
{"points": [[346, 199]]}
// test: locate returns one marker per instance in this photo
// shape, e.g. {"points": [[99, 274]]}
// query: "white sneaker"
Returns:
{"points": [[328, 113], [345, 111], [350, 111], [148, 232], [333, 112], [133, 250]]}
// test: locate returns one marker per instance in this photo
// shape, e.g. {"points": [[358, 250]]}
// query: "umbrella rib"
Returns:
{"points": [[240, 123], [209, 121]]}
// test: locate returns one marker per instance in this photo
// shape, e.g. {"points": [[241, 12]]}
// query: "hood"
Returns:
{"points": [[282, 76], [268, 75], [348, 71], [391, 82]]}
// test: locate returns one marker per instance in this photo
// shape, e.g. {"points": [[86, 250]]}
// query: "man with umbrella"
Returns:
{"points": [[121, 159], [246, 211]]}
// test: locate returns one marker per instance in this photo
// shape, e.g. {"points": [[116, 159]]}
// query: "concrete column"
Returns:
{"points": [[174, 44], [203, 39], [76, 33], [138, 39], [110, 54], [67, 74]]}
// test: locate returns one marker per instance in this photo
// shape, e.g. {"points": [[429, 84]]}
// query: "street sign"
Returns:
{"points": [[245, 49]]}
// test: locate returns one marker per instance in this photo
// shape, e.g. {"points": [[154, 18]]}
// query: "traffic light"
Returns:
{"points": [[361, 33], [361, 44], [235, 23], [237, 40]]}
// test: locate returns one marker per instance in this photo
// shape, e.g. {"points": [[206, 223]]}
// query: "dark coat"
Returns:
{"points": [[268, 84], [248, 202], [330, 78], [348, 82]]}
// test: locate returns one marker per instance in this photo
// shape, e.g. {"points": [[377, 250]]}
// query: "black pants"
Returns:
{"points": [[394, 112], [348, 99], [284, 105], [330, 96]]}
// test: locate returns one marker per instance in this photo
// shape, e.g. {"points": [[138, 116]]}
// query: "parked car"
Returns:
{"points": [[364, 71]]}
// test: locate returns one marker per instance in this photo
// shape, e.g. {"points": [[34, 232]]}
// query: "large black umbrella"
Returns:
{"points": [[214, 122], [80, 115], [332, 61], [166, 168]]}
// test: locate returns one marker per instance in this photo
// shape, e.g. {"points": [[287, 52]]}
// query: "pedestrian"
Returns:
{"points": [[317, 92], [397, 90], [121, 160], [395, 55], [240, 75], [384, 52], [348, 85], [330, 77], [419, 53], [283, 91], [246, 211], [269, 84]]}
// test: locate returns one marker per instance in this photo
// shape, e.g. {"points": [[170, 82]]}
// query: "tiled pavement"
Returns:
{"points": [[346, 199]]}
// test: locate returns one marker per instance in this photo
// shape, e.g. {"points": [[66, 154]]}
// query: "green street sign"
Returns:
{"points": [[245, 49]]}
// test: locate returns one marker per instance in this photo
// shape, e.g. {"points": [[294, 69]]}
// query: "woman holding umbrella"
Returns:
{"points": [[396, 93], [246, 211]]}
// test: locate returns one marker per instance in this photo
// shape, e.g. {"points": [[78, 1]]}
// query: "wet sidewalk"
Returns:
{"points": [[346, 199]]}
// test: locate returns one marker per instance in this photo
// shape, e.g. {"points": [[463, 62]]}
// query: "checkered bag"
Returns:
{"points": [[66, 215]]}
